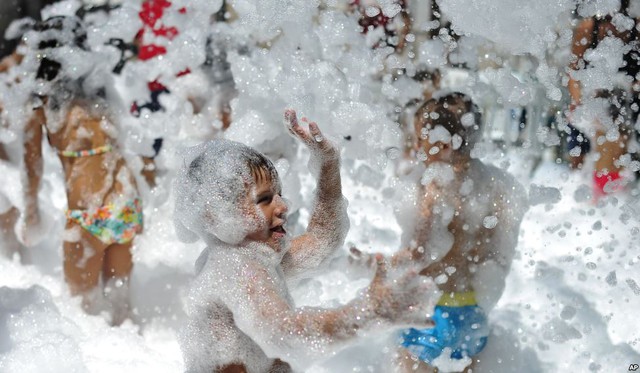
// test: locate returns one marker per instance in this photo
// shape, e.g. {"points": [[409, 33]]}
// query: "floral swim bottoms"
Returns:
{"points": [[113, 223]]}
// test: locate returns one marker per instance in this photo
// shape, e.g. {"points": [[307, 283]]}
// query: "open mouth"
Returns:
{"points": [[278, 229]]}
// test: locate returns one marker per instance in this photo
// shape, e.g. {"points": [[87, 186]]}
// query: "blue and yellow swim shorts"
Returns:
{"points": [[461, 327]]}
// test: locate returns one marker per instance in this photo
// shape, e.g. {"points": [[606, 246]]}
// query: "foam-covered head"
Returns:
{"points": [[452, 120], [214, 191]]}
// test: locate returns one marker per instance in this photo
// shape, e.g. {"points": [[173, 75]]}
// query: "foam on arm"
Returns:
{"points": [[329, 223]]}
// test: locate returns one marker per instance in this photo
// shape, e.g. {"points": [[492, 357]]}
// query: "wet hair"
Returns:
{"points": [[48, 69], [433, 75], [89, 9], [448, 111], [63, 25], [261, 168], [624, 7], [56, 32]]}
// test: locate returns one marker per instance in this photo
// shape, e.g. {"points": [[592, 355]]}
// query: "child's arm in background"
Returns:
{"points": [[33, 171], [329, 223], [415, 253]]}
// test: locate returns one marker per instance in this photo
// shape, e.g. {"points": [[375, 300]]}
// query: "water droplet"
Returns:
{"points": [[490, 222], [393, 153], [611, 278]]}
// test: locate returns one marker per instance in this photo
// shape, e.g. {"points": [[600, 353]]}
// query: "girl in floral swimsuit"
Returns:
{"points": [[104, 210]]}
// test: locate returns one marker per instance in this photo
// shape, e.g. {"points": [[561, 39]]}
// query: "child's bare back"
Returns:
{"points": [[464, 237], [467, 223]]}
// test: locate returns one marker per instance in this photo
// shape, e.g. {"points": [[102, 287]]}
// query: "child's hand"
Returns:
{"points": [[33, 228], [360, 264], [402, 259], [405, 299], [313, 138], [361, 259]]}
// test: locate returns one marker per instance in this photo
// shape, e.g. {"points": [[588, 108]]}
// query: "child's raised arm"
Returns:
{"points": [[329, 223]]}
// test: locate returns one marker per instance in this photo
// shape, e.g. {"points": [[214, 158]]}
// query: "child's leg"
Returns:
{"points": [[116, 269], [8, 237], [149, 171], [83, 264], [118, 261]]}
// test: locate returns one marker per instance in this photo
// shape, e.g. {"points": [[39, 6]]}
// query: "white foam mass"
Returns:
{"points": [[507, 23], [548, 277], [37, 335], [439, 134]]}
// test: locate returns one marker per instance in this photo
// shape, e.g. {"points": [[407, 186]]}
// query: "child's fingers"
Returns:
{"points": [[381, 269], [410, 278], [357, 254], [291, 121], [290, 117], [300, 132], [315, 132], [313, 138], [318, 137], [361, 258]]}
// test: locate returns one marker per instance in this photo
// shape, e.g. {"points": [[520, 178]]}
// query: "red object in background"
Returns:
{"points": [[150, 15], [379, 20], [146, 52], [156, 86], [152, 11], [167, 32], [184, 72], [600, 181], [365, 21]]}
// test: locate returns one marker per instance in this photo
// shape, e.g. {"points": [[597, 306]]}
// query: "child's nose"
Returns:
{"points": [[281, 206]]}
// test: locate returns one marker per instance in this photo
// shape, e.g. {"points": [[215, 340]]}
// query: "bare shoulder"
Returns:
{"points": [[583, 34], [9, 61], [501, 186]]}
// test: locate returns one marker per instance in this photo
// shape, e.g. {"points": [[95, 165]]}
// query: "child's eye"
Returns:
{"points": [[266, 198]]}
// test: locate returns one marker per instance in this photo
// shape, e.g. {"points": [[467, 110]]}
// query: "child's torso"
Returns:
{"points": [[466, 224], [91, 180]]}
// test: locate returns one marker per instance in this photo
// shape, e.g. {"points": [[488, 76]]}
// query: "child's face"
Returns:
{"points": [[438, 151], [268, 200]]}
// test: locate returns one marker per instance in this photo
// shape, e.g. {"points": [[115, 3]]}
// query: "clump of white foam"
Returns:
{"points": [[39, 338]]}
